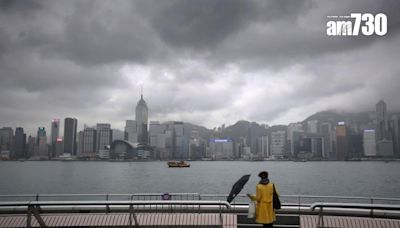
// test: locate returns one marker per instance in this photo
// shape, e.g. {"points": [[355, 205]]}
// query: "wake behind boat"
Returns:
{"points": [[178, 164]]}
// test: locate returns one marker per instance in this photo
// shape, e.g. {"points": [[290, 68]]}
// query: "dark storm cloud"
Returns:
{"points": [[20, 6], [203, 25], [206, 61]]}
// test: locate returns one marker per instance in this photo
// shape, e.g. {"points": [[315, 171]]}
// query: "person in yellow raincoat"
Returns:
{"points": [[265, 212]]}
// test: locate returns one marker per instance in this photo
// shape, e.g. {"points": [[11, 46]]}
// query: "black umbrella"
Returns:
{"points": [[237, 187]]}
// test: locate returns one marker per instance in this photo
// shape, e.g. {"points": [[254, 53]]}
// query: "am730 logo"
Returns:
{"points": [[357, 23]]}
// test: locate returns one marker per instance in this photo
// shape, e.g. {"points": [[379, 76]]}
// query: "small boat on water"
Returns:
{"points": [[178, 164]]}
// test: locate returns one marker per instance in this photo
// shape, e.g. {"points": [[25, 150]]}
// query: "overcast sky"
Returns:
{"points": [[207, 62]]}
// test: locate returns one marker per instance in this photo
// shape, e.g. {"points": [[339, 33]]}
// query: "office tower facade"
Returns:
{"points": [[6, 139], [312, 126], [263, 147], [142, 114], [55, 130], [291, 130], [154, 131], [369, 143], [41, 141], [104, 135], [41, 132], [31, 146], [381, 121], [89, 143], [55, 133], [19, 143], [131, 133], [196, 145], [341, 141], [278, 142], [221, 149], [395, 129], [180, 143], [70, 135], [251, 138], [59, 147], [327, 136]]}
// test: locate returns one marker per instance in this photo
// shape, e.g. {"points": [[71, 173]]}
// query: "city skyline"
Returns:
{"points": [[259, 61]]}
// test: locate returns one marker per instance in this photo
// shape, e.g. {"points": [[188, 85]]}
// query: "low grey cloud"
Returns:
{"points": [[206, 62]]}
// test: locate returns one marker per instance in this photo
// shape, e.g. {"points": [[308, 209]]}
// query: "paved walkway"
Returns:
{"points": [[311, 221], [119, 219]]}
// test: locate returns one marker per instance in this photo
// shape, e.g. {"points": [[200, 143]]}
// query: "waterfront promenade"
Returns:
{"points": [[186, 220], [182, 210]]}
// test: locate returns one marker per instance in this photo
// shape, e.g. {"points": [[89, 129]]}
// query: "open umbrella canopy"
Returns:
{"points": [[237, 187]]}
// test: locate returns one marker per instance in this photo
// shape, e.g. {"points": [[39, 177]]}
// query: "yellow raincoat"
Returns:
{"points": [[265, 212]]}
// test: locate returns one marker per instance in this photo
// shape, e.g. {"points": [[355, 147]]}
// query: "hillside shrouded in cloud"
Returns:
{"points": [[205, 62]]}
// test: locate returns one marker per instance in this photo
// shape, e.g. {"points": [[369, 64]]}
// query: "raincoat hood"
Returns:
{"points": [[264, 181]]}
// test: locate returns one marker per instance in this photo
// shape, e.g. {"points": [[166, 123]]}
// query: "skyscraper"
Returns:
{"points": [[70, 125], [369, 143], [42, 143], [6, 138], [312, 126], [131, 131], [104, 135], [381, 120], [341, 141], [326, 132], [55, 130], [55, 133], [19, 143], [278, 141], [142, 114], [395, 127]]}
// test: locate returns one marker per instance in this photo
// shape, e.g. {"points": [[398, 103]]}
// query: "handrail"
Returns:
{"points": [[115, 203], [201, 195], [355, 206], [35, 207], [367, 206]]}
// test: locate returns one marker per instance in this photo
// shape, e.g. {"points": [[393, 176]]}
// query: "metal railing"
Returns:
{"points": [[362, 206], [303, 200], [35, 208]]}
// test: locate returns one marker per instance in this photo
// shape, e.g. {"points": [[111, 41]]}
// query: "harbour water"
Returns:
{"points": [[377, 179]]}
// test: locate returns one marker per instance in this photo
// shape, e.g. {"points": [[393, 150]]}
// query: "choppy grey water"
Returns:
{"points": [[376, 179]]}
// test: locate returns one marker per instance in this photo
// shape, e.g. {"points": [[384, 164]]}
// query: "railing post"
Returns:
{"points": [[37, 196], [132, 214], [29, 216], [298, 204], [221, 222], [107, 206], [321, 217], [372, 210]]}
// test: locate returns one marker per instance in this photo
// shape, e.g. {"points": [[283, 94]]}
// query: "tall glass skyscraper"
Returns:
{"points": [[70, 125], [142, 116]]}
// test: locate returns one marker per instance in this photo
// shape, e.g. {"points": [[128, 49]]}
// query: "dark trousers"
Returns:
{"points": [[270, 225]]}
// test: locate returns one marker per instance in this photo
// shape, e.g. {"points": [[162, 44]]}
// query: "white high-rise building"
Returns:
{"points": [[278, 141], [369, 141], [221, 148], [312, 126]]}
